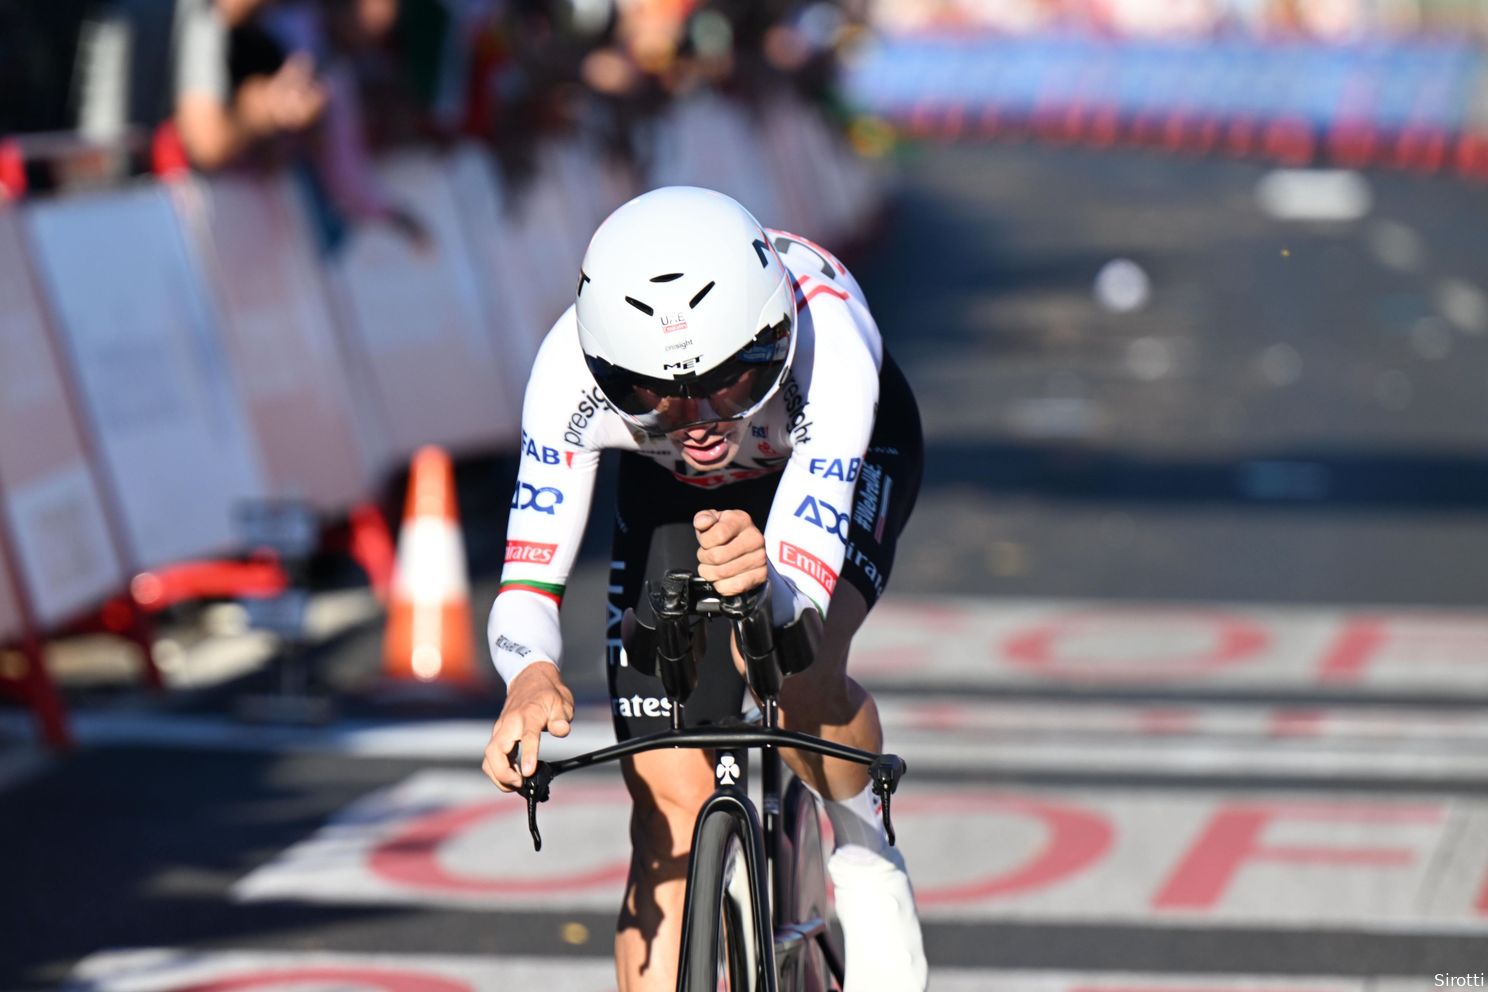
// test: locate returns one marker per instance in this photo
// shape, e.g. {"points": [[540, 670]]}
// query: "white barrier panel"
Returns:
{"points": [[154, 380], [706, 140], [280, 337], [810, 149], [616, 183], [544, 226], [800, 208], [60, 538], [596, 183], [578, 169], [418, 317], [568, 175], [502, 262]]}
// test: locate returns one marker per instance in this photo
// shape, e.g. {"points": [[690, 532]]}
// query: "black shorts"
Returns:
{"points": [[653, 533]]}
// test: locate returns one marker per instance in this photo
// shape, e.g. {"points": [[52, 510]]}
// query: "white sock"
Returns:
{"points": [[857, 826]]}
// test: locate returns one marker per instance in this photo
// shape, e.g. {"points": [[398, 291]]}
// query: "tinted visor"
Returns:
{"points": [[734, 389]]}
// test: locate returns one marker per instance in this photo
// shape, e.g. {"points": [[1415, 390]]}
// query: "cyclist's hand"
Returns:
{"points": [[731, 551], [536, 700]]}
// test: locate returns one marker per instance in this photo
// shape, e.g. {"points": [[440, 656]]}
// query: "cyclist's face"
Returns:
{"points": [[709, 446]]}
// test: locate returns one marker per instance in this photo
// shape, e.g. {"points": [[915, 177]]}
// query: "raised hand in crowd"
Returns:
{"points": [[290, 100]]}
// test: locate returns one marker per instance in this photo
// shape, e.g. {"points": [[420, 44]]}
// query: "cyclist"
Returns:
{"points": [[736, 368]]}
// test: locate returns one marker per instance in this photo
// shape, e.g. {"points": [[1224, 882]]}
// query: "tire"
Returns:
{"points": [[720, 943], [805, 896]]}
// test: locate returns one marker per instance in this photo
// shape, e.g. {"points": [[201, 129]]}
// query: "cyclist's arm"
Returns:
{"points": [[806, 535], [549, 508]]}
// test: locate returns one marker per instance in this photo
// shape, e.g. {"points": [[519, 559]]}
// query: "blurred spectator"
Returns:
{"points": [[1157, 18], [350, 42], [38, 48], [234, 89], [283, 82], [266, 83]]}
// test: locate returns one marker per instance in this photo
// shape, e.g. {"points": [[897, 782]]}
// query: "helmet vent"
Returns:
{"points": [[643, 308], [699, 297], [667, 278]]}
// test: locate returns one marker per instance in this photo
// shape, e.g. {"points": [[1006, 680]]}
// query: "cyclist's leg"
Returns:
{"points": [[824, 700], [875, 903], [667, 789]]}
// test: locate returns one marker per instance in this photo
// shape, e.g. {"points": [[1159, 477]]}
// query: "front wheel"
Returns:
{"points": [[722, 946]]}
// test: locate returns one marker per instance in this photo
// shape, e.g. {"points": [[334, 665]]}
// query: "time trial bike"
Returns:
{"points": [[755, 916]]}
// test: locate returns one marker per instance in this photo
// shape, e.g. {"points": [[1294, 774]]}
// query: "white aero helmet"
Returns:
{"points": [[686, 313]]}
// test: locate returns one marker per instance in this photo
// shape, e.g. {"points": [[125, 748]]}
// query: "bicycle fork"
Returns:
{"points": [[731, 801]]}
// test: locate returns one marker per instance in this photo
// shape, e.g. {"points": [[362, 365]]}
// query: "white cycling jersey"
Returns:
{"points": [[813, 431]]}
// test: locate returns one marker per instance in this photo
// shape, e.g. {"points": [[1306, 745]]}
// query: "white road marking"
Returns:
{"points": [[1093, 644], [1175, 858], [169, 970], [953, 733], [1315, 195]]}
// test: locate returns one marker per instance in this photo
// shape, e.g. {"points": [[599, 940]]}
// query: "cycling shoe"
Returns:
{"points": [[880, 926]]}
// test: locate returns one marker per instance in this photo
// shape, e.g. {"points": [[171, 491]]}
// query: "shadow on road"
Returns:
{"points": [[1321, 479]]}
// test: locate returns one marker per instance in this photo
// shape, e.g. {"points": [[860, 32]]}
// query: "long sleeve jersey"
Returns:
{"points": [[813, 431]]}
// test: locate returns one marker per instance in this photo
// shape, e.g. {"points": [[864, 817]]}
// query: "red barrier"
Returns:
{"points": [[165, 587], [23, 674], [1351, 143], [1470, 158], [12, 171], [168, 158]]}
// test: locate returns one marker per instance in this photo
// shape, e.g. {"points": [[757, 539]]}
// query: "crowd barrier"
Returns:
{"points": [[281, 339], [61, 547], [1410, 103], [173, 349]]}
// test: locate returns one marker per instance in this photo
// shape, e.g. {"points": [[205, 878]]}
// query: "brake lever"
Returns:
{"points": [[885, 772], [535, 790]]}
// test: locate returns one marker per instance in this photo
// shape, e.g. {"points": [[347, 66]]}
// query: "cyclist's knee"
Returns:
{"points": [[667, 789], [807, 705]]}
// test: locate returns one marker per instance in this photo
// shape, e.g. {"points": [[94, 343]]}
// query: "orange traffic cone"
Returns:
{"points": [[428, 632]]}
